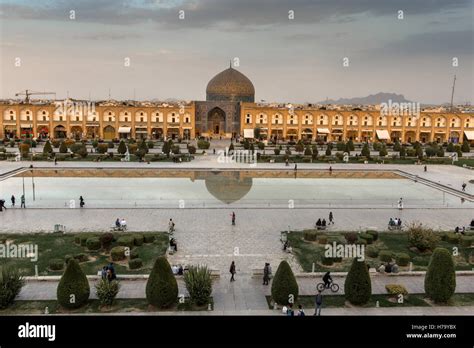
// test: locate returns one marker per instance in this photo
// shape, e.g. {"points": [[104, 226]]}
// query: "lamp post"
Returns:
{"points": [[33, 184]]}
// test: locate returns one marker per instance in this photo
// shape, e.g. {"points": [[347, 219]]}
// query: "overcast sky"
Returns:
{"points": [[288, 60]]}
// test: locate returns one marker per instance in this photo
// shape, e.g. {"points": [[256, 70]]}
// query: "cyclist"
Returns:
{"points": [[327, 279]]}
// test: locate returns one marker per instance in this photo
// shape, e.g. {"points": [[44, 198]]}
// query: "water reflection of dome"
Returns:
{"points": [[227, 187]]}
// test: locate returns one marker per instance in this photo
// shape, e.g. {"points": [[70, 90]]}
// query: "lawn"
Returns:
{"points": [[418, 300], [58, 245], [93, 306], [309, 252]]}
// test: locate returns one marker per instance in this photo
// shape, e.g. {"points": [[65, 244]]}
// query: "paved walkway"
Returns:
{"points": [[247, 294]]}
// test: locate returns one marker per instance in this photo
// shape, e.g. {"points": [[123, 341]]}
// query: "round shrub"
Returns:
{"points": [[106, 291], [93, 243], [134, 254], [372, 251], [452, 238], [127, 241], [327, 261], [106, 240], [421, 261], [73, 289], [77, 239], [385, 256], [284, 285], [117, 253], [368, 237], [322, 239], [310, 236], [351, 237], [440, 279], [135, 263], [56, 264], [67, 258], [149, 238], [466, 241], [138, 239], [374, 234], [402, 259], [81, 257], [161, 287], [337, 259], [422, 238], [83, 239], [358, 287], [361, 241]]}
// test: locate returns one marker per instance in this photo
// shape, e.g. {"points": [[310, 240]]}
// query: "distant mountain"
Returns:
{"points": [[371, 99]]}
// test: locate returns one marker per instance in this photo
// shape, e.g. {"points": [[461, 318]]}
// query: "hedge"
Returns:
{"points": [[367, 237], [128, 241], [396, 289], [161, 287], [138, 239], [466, 241], [452, 238], [374, 234], [106, 240], [385, 256], [56, 264], [310, 236], [322, 239], [81, 257], [149, 238], [402, 259], [135, 263], [117, 253], [372, 251], [93, 243], [327, 261], [358, 287]]}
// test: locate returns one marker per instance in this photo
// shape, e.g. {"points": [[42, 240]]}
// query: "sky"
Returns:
{"points": [[292, 50]]}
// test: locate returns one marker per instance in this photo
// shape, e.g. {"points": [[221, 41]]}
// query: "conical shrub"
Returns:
{"points": [[440, 279], [284, 285], [358, 287], [73, 289], [161, 288]]}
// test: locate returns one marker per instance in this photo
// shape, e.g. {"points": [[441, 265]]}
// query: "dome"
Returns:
{"points": [[230, 85]]}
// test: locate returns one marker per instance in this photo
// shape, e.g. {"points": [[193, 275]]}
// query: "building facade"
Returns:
{"points": [[228, 111]]}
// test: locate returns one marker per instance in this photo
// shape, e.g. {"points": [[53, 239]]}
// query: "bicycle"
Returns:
{"points": [[333, 286]]}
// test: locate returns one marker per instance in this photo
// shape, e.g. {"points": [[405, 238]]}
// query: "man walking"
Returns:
{"points": [[319, 303], [13, 201], [266, 273], [464, 187], [331, 218], [81, 202], [233, 219], [232, 271], [400, 204], [23, 205], [2, 205]]}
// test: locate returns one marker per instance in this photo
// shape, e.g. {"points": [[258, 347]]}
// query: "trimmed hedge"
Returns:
{"points": [[452, 238], [73, 289], [374, 234], [93, 243], [402, 259], [385, 256], [372, 251], [161, 288], [117, 253], [134, 254], [396, 289], [310, 236], [466, 241], [135, 263], [351, 237], [11, 282], [327, 261], [138, 239], [67, 258], [106, 240], [322, 239], [284, 285], [358, 287], [149, 238], [81, 257], [56, 264], [367, 237], [440, 279], [128, 241]]}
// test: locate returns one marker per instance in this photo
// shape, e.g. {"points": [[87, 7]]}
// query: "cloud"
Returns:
{"points": [[226, 14]]}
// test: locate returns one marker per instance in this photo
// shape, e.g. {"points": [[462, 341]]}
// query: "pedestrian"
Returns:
{"points": [[287, 163], [111, 268], [331, 218], [232, 271], [13, 200], [266, 273], [464, 187], [171, 226], [81, 202], [400, 204], [23, 205], [426, 168], [319, 303], [104, 272], [296, 167], [330, 170], [2, 205], [301, 311], [56, 160], [233, 218], [290, 312]]}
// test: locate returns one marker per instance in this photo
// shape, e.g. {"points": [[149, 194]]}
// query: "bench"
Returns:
{"points": [[118, 229], [321, 227], [394, 227]]}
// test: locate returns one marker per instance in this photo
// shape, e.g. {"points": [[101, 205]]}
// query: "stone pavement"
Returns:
{"points": [[247, 294]]}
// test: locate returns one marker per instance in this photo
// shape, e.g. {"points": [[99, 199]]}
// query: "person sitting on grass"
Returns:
{"points": [[318, 223]]}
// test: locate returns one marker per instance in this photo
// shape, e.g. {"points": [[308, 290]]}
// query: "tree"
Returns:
{"points": [[450, 147], [24, 149], [299, 147], [257, 133], [397, 146], [231, 148], [422, 238], [307, 151], [106, 291], [465, 146], [11, 283], [63, 147], [383, 151], [328, 150], [440, 279], [122, 148], [161, 288], [47, 147], [284, 287], [357, 287], [402, 151], [365, 150], [199, 284], [73, 289], [350, 146]]}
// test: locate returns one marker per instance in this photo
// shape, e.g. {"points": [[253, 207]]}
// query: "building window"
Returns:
{"points": [[380, 123], [409, 124], [126, 114], [44, 118], [350, 123], [365, 123], [44, 112], [321, 122], [110, 119], [424, 124], [60, 118], [141, 118], [110, 114], [438, 124], [27, 118], [141, 113], [93, 119], [126, 119], [186, 120]]}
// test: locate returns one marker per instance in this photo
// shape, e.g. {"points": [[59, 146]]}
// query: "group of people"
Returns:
{"points": [[322, 222], [177, 269], [121, 224], [395, 222], [289, 311], [108, 272], [388, 267], [461, 230], [13, 201]]}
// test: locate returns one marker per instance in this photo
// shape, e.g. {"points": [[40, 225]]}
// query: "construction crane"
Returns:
{"points": [[27, 94]]}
